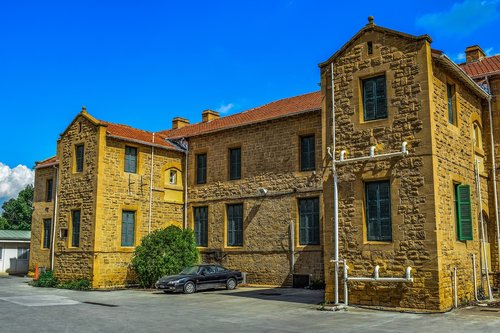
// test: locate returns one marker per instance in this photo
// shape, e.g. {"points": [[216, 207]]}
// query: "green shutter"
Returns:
{"points": [[464, 213]]}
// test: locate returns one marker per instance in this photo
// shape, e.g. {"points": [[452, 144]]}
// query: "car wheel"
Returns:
{"points": [[189, 287], [231, 284]]}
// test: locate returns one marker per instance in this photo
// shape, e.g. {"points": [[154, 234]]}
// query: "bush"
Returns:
{"points": [[81, 284], [164, 252], [46, 280]]}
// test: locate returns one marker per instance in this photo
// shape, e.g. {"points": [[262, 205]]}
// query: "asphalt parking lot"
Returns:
{"points": [[27, 309]]}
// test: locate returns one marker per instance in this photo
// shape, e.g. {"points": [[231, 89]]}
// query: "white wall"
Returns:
{"points": [[9, 262]]}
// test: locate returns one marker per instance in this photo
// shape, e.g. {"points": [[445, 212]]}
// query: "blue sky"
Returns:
{"points": [[143, 62]]}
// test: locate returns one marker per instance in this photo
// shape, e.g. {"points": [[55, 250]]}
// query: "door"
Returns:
{"points": [[208, 278]]}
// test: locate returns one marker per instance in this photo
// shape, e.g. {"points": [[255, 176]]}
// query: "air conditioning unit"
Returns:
{"points": [[301, 280]]}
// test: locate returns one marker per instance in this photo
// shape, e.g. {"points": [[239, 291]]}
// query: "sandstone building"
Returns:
{"points": [[257, 187]]}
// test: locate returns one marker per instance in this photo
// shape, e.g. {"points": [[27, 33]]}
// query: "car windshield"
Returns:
{"points": [[190, 270]]}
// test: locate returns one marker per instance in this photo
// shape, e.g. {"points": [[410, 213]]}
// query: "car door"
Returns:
{"points": [[222, 275], [207, 277]]}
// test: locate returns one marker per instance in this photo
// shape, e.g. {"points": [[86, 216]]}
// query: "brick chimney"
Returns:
{"points": [[474, 53], [179, 122], [209, 115]]}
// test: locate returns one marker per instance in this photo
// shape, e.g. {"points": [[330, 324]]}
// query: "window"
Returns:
{"points": [[22, 253], [79, 154], [378, 211], [370, 47], [478, 140], [450, 93], [235, 225], [307, 153], [1, 252], [463, 212], [128, 226], [173, 177], [201, 225], [75, 228], [130, 159], [235, 163], [48, 194], [46, 233], [201, 168], [309, 221], [374, 98]]}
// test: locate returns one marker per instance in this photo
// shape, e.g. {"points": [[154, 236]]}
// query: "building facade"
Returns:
{"points": [[412, 143]]}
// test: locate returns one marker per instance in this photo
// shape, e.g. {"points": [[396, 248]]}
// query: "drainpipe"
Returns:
{"points": [[151, 185], [494, 168], [185, 185], [292, 247], [53, 241]]}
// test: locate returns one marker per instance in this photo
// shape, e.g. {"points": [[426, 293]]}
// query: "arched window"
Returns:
{"points": [[477, 136]]}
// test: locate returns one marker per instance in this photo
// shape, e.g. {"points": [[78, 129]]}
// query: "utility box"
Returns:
{"points": [[301, 280]]}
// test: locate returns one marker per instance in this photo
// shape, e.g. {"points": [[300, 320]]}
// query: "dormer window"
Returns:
{"points": [[173, 177]]}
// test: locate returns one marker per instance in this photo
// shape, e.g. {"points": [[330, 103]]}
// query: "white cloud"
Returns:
{"points": [[225, 108], [12, 181], [462, 19]]}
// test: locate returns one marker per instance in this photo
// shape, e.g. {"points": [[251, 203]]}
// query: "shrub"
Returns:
{"points": [[46, 280], [80, 284], [164, 252]]}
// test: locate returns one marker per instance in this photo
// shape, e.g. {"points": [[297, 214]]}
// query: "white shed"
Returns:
{"points": [[14, 251]]}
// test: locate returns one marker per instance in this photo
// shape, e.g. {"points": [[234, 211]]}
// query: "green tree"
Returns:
{"points": [[17, 212], [164, 252]]}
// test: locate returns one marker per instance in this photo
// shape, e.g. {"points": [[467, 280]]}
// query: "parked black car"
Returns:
{"points": [[200, 277]]}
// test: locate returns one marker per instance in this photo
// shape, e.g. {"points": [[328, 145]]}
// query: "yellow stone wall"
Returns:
{"points": [[270, 159], [42, 209]]}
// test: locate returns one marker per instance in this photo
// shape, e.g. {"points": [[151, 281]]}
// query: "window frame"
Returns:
{"points": [[234, 163], [309, 230], [380, 222], [377, 115], [200, 225], [79, 160], [24, 253], [311, 162], [49, 189], [130, 160], [75, 232], [127, 238], [451, 101], [201, 171], [235, 225], [46, 233]]}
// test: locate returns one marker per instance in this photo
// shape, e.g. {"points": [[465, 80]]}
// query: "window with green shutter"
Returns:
{"points": [[307, 153], [75, 228], [463, 212], [378, 211], [374, 98], [128, 226], [235, 163], [235, 225], [130, 159], [201, 225], [309, 221]]}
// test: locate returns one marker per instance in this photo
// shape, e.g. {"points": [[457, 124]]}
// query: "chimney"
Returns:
{"points": [[474, 53], [179, 122], [209, 115]]}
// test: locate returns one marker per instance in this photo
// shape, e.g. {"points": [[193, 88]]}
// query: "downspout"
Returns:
{"points": [[53, 240], [185, 186], [494, 168], [335, 196], [151, 185]]}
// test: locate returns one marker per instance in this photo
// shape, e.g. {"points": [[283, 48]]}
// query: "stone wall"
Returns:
{"points": [[405, 62], [119, 191], [42, 209], [270, 159], [455, 155]]}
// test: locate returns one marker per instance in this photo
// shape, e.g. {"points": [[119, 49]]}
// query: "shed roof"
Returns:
{"points": [[24, 235]]}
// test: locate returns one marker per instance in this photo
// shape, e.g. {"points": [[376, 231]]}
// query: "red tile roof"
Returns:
{"points": [[137, 135], [277, 109], [48, 162], [481, 67]]}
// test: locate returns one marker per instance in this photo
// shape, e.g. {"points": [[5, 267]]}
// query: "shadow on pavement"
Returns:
{"points": [[304, 296]]}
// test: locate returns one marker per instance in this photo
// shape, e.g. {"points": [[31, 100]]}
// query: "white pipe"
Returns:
{"points": [[376, 274], [53, 241], [292, 247], [483, 234], [186, 187], [372, 151], [455, 294], [494, 169], [346, 290], [474, 276], [151, 186], [376, 277], [403, 152], [335, 196]]}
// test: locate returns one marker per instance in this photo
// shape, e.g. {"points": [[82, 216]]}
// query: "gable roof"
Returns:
{"points": [[22, 235], [485, 66], [277, 109], [373, 27], [47, 162]]}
